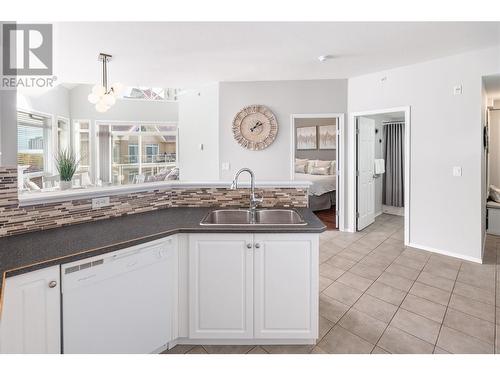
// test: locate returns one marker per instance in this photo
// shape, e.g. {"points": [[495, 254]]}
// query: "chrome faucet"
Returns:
{"points": [[254, 200]]}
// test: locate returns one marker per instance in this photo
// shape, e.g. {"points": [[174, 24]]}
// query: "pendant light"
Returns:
{"points": [[103, 95]]}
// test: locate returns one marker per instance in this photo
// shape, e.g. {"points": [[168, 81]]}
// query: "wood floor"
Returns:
{"points": [[327, 217]]}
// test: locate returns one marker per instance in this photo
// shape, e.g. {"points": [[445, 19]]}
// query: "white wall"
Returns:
{"points": [[8, 128], [284, 98], [54, 101], [446, 131], [199, 125]]}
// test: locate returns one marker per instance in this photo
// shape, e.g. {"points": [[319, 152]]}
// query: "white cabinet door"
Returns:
{"points": [[220, 286], [366, 164], [30, 320], [286, 286]]}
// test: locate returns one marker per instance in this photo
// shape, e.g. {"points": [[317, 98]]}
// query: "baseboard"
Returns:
{"points": [[254, 341], [484, 245], [378, 213], [447, 253]]}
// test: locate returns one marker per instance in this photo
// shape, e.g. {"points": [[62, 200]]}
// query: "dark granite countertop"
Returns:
{"points": [[27, 252]]}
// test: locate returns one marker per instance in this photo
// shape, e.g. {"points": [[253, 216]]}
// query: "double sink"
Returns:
{"points": [[258, 217]]}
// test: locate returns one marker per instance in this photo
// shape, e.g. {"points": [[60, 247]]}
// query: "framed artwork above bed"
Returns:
{"points": [[327, 137], [306, 138]]}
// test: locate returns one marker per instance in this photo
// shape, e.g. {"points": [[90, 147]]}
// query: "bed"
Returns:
{"points": [[322, 191]]}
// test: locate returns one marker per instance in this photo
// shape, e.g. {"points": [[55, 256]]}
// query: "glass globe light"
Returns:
{"points": [[109, 100], [98, 90], [101, 107], [93, 98]]}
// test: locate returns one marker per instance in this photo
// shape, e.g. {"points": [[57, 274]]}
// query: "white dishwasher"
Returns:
{"points": [[121, 302]]}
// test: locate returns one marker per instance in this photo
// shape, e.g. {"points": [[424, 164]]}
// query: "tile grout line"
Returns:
{"points": [[352, 306], [427, 261], [447, 306]]}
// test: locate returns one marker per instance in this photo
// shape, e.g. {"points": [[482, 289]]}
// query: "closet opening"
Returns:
{"points": [[381, 172]]}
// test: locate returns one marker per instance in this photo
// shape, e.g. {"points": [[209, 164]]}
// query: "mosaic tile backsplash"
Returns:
{"points": [[16, 220]]}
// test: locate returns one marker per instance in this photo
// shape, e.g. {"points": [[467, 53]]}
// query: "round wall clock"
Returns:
{"points": [[255, 127]]}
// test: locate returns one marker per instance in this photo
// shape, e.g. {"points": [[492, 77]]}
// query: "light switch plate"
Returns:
{"points": [[457, 90], [457, 171], [100, 202]]}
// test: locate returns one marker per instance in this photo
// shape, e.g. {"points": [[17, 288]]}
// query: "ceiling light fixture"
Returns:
{"points": [[103, 95], [323, 58]]}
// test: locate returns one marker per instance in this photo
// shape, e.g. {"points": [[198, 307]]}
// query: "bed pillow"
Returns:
{"points": [[494, 193], [326, 164], [333, 167], [300, 168], [310, 165], [323, 163], [320, 170]]}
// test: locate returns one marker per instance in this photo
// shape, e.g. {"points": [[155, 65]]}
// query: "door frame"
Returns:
{"points": [[341, 161], [353, 157]]}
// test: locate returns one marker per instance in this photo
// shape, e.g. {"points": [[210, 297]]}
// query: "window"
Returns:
{"points": [[33, 143], [138, 152], [152, 153], [81, 144], [133, 153], [150, 93], [63, 139]]}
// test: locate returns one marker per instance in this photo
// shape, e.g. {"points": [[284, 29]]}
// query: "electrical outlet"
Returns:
{"points": [[457, 90], [100, 202], [226, 166], [457, 171]]}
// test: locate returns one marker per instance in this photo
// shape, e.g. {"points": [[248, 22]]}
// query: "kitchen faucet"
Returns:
{"points": [[254, 201]]}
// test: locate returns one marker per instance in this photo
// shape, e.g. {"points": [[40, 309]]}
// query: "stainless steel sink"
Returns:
{"points": [[278, 217], [227, 217], [271, 217]]}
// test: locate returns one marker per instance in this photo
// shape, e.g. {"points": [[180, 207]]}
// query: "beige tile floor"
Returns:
{"points": [[379, 297]]}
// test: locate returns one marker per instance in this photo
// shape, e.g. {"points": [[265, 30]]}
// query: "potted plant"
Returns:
{"points": [[67, 165]]}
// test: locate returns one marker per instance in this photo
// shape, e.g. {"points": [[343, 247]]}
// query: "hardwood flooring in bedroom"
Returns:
{"points": [[327, 217]]}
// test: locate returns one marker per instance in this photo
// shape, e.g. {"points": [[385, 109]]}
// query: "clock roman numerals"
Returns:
{"points": [[255, 127]]}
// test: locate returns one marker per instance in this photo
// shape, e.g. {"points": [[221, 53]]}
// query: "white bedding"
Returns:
{"points": [[321, 184]]}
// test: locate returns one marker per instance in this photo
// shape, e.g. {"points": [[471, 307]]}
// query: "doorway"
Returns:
{"points": [[381, 141], [491, 147], [316, 157]]}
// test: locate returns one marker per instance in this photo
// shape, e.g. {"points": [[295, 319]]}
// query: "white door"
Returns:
{"points": [[30, 319], [365, 180], [221, 286], [286, 286], [337, 174]]}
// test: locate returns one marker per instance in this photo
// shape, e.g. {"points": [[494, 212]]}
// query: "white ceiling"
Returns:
{"points": [[186, 54]]}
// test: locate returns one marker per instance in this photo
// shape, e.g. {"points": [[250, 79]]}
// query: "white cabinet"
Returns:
{"points": [[286, 286], [258, 286], [220, 286], [30, 320]]}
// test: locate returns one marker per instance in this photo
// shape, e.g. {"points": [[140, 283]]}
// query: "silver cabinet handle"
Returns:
{"points": [[249, 245], [257, 245], [52, 284]]}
